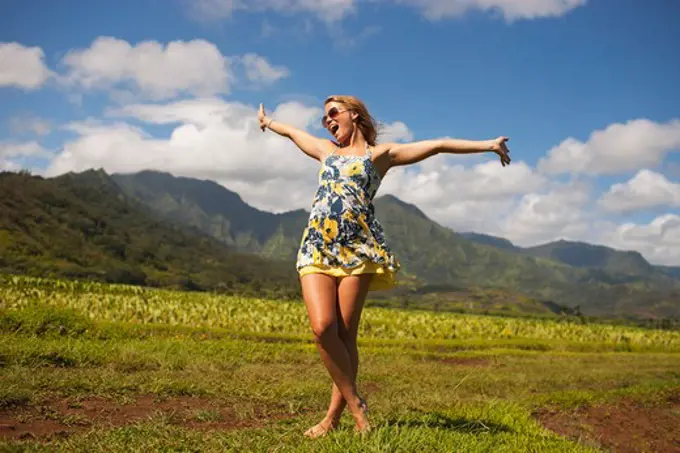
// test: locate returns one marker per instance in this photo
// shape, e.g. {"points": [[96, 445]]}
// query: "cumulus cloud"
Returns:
{"points": [[335, 10], [510, 9], [150, 68], [22, 67], [646, 189], [617, 148], [159, 71], [545, 216], [26, 123], [394, 132], [16, 149], [210, 139], [464, 198], [11, 153], [8, 165], [658, 241], [327, 10], [259, 70]]}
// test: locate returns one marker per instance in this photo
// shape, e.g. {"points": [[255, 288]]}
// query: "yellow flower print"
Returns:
{"points": [[337, 188], [348, 215], [330, 230], [345, 254], [355, 169], [362, 221]]}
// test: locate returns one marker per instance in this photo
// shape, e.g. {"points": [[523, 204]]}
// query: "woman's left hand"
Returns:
{"points": [[498, 146], [262, 117]]}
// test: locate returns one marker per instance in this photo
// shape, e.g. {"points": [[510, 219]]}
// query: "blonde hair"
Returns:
{"points": [[365, 122]]}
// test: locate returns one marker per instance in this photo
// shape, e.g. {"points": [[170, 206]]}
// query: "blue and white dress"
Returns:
{"points": [[343, 236]]}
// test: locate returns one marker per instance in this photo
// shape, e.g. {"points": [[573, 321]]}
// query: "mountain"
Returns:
{"points": [[673, 271], [494, 241], [216, 211], [584, 255], [84, 225], [430, 253], [580, 254]]}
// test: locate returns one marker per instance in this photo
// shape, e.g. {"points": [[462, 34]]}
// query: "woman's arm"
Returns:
{"points": [[312, 146], [409, 153]]}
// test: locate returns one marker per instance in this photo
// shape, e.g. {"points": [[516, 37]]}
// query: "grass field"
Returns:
{"points": [[91, 367]]}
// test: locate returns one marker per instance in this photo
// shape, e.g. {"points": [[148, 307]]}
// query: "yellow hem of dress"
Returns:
{"points": [[383, 278]]}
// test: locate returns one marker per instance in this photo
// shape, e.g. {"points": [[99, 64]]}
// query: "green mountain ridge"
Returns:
{"points": [[217, 211], [583, 254], [487, 239], [430, 253], [580, 254], [84, 226]]}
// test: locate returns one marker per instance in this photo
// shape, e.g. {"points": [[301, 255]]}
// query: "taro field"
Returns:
{"points": [[94, 367]]}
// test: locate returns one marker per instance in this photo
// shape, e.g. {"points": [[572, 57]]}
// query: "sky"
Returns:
{"points": [[586, 90]]}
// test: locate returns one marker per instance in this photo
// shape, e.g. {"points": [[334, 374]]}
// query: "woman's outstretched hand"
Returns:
{"points": [[498, 146], [262, 117]]}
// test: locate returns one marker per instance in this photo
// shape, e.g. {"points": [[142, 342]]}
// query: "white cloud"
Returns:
{"points": [[645, 190], [12, 152], [327, 10], [22, 67], [510, 9], [394, 132], [464, 198], [658, 241], [556, 214], [617, 148], [210, 139], [8, 165], [16, 149], [150, 68], [213, 112], [259, 70], [156, 71], [203, 112], [335, 10], [25, 123]]}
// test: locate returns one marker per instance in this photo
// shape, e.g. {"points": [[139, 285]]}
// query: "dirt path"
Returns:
{"points": [[623, 427], [65, 417]]}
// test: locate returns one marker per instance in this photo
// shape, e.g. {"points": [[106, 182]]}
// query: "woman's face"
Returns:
{"points": [[339, 121]]}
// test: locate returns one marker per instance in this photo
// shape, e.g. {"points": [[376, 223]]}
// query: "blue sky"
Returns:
{"points": [[549, 74]]}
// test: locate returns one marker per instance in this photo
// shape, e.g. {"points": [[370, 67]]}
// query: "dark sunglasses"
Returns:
{"points": [[332, 114]]}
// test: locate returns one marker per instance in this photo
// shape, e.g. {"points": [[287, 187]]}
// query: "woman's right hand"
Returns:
{"points": [[262, 118]]}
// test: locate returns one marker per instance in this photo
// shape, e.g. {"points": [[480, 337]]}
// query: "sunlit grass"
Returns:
{"points": [[434, 382]]}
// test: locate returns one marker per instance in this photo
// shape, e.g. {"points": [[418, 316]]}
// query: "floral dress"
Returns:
{"points": [[343, 236]]}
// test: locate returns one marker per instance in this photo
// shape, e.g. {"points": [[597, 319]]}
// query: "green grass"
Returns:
{"points": [[476, 392]]}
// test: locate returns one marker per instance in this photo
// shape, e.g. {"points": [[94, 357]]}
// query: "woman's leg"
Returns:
{"points": [[320, 293], [351, 296]]}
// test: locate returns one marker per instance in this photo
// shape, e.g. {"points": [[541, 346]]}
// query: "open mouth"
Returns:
{"points": [[334, 128]]}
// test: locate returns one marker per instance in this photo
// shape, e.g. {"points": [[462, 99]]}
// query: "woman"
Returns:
{"points": [[343, 253]]}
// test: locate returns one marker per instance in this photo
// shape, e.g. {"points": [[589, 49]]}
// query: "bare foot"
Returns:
{"points": [[322, 428], [361, 418]]}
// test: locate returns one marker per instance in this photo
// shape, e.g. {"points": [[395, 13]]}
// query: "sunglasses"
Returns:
{"points": [[332, 114]]}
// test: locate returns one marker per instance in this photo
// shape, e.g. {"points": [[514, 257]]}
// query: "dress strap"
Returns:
{"points": [[368, 151]]}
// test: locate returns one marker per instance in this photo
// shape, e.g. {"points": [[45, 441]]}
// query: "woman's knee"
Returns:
{"points": [[324, 329]]}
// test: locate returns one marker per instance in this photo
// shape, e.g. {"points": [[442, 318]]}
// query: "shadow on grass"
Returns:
{"points": [[441, 421]]}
